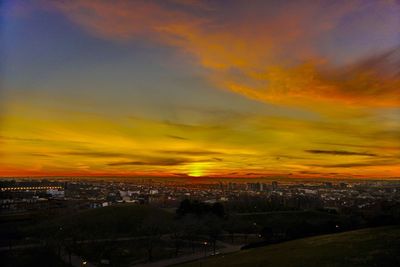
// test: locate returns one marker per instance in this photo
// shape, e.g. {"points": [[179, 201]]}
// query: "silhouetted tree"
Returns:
{"points": [[184, 208], [213, 229], [199, 208], [153, 229], [192, 228], [218, 209], [267, 233], [177, 233]]}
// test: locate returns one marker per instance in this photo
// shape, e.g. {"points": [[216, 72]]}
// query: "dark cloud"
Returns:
{"points": [[281, 156], [192, 127], [191, 152], [362, 146], [155, 161], [253, 173], [356, 164], [386, 63], [152, 162], [40, 155], [22, 139], [389, 134], [96, 154], [340, 152], [374, 79], [309, 172], [176, 137], [39, 140], [100, 154]]}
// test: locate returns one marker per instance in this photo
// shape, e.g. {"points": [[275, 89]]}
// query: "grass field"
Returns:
{"points": [[100, 229], [119, 220], [286, 219], [367, 247], [31, 257]]}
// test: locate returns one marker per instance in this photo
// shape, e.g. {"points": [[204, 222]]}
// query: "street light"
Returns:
{"points": [[205, 248]]}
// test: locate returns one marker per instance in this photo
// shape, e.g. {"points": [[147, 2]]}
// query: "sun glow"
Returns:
{"points": [[196, 170]]}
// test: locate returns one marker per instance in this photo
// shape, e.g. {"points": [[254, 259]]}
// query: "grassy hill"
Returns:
{"points": [[281, 219], [367, 247]]}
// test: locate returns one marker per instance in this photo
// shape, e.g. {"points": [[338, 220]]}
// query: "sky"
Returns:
{"points": [[191, 88]]}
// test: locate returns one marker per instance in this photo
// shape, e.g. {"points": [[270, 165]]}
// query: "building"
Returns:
{"points": [[274, 185]]}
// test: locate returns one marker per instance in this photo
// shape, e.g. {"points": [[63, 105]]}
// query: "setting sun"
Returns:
{"points": [[196, 170]]}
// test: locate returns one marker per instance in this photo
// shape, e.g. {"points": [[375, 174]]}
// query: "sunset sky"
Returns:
{"points": [[200, 88]]}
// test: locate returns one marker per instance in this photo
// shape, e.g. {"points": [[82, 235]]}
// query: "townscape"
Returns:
{"points": [[22, 195]]}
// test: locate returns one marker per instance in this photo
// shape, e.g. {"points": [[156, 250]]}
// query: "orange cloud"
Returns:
{"points": [[264, 51]]}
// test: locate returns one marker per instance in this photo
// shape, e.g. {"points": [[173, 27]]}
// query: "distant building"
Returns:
{"points": [[123, 193], [126, 198], [309, 191], [263, 187], [254, 187], [274, 185], [153, 192], [56, 193]]}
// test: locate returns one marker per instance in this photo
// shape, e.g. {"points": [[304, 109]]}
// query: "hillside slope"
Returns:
{"points": [[367, 247]]}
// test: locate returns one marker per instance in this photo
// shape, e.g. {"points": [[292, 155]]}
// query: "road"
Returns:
{"points": [[36, 245], [227, 248], [76, 261]]}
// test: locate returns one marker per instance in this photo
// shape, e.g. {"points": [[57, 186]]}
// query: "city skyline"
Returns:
{"points": [[200, 88]]}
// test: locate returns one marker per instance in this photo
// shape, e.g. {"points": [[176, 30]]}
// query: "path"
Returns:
{"points": [[75, 260], [227, 248]]}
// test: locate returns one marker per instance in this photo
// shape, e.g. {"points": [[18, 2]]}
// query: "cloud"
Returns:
{"points": [[142, 163], [191, 152], [372, 81], [96, 154], [176, 137], [268, 51], [362, 146], [103, 154], [125, 20], [40, 155], [356, 164], [40, 140], [340, 152], [153, 162]]}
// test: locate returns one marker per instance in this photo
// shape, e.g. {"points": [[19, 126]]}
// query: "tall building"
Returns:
{"points": [[274, 185]]}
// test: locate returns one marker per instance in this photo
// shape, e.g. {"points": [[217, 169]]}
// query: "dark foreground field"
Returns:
{"points": [[367, 247], [129, 234]]}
